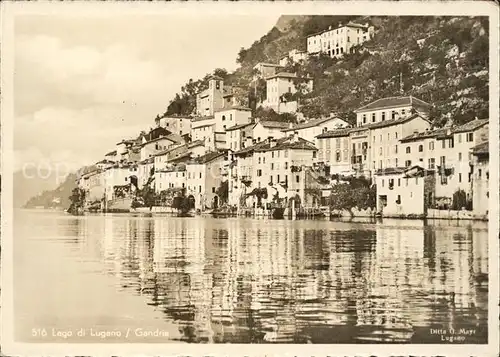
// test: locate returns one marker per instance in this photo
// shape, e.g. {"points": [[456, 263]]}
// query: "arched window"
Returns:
{"points": [[223, 117], [408, 150], [420, 148]]}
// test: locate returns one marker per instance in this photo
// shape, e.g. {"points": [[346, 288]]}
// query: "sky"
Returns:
{"points": [[83, 84]]}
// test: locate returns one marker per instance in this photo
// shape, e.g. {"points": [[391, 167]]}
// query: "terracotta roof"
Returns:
{"points": [[311, 123], [386, 123], [393, 102], [170, 137], [273, 124], [111, 153], [180, 156], [470, 126], [335, 133], [166, 151], [482, 148], [240, 126]]}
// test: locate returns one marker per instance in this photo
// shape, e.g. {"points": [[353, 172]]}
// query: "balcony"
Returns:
{"points": [[245, 178]]}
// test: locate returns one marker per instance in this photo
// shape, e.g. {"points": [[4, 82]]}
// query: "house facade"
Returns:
{"points": [[334, 151], [294, 56], [391, 108], [178, 124], [211, 99], [264, 70], [236, 136], [480, 179], [280, 85], [340, 40], [264, 129], [204, 176], [173, 176], [409, 191]]}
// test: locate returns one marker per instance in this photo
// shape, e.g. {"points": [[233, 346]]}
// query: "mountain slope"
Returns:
{"points": [[448, 69]]}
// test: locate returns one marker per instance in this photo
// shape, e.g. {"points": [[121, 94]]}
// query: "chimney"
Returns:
{"points": [[272, 142]]}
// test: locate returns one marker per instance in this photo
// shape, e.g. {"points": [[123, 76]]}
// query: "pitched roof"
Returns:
{"points": [[208, 157], [166, 151], [424, 135], [202, 118], [335, 133], [394, 102], [311, 123], [170, 137], [286, 75], [196, 143], [234, 107], [471, 126], [240, 126], [273, 124], [257, 146], [386, 123], [481, 149], [289, 143], [111, 153]]}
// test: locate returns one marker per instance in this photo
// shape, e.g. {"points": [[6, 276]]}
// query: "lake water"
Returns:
{"points": [[125, 278]]}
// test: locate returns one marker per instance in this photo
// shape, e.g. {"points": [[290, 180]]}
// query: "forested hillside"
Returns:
{"points": [[449, 68]]}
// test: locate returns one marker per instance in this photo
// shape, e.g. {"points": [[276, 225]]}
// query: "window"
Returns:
{"points": [[277, 178], [470, 137], [399, 182], [459, 138], [199, 188], [373, 118], [314, 154], [200, 174], [393, 114], [272, 165], [431, 163], [272, 154], [337, 143], [398, 201], [459, 156], [479, 173], [213, 189], [364, 118], [373, 138], [297, 178], [408, 163], [396, 162], [416, 180], [443, 144], [259, 160], [388, 136], [408, 150], [337, 156], [286, 165], [420, 148], [395, 149], [396, 135], [183, 185], [382, 182], [403, 112], [380, 150], [459, 177], [431, 145], [286, 153], [450, 144], [259, 173], [383, 116], [223, 117], [380, 138]]}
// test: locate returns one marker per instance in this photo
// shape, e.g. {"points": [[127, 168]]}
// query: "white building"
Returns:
{"points": [[118, 175], [407, 191], [334, 151], [338, 41], [178, 124], [145, 171], [280, 91], [264, 129], [204, 176], [294, 56], [238, 135], [170, 177], [263, 70], [203, 129], [390, 108], [480, 179]]}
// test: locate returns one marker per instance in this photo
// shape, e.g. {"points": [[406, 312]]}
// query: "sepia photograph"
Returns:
{"points": [[234, 176]]}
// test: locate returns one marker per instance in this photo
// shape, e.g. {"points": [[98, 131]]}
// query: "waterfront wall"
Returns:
{"points": [[451, 214]]}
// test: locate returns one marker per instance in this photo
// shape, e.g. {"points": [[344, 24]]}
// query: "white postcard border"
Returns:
{"points": [[457, 8]]}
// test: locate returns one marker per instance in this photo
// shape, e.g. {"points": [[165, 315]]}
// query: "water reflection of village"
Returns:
{"points": [[244, 281]]}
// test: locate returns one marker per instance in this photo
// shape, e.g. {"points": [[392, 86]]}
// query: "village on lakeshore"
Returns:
{"points": [[226, 159]]}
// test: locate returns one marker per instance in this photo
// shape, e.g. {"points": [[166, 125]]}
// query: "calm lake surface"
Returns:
{"points": [[125, 278]]}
